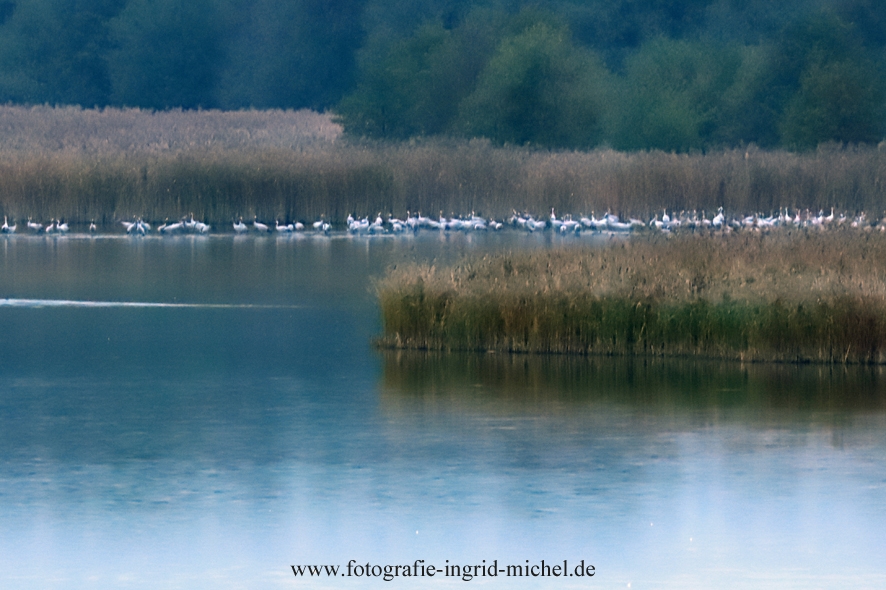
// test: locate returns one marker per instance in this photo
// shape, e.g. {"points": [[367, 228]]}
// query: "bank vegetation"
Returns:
{"points": [[111, 164], [791, 295]]}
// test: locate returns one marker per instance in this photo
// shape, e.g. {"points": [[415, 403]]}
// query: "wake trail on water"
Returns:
{"points": [[136, 304]]}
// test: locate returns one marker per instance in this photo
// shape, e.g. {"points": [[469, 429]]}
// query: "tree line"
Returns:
{"points": [[676, 75]]}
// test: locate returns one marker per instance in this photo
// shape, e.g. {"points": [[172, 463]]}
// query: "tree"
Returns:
{"points": [[742, 113], [670, 94], [289, 54], [828, 86], [167, 54], [52, 51], [414, 86], [837, 101], [538, 88]]}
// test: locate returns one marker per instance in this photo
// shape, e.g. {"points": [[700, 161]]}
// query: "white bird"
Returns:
{"points": [[51, 227], [619, 226], [92, 226], [377, 226], [239, 226], [201, 227], [7, 229], [34, 225], [533, 224], [172, 227], [259, 226], [283, 228], [426, 222], [570, 224], [556, 224], [355, 226], [61, 227]]}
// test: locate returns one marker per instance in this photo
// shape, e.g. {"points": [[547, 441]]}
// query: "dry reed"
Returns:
{"points": [[113, 164], [793, 295]]}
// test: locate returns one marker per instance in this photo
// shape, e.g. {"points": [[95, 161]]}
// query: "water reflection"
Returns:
{"points": [[653, 385]]}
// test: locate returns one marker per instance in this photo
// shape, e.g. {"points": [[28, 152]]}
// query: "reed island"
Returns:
{"points": [[792, 295]]}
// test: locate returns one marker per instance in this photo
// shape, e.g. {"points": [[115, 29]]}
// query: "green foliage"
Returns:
{"points": [[837, 101], [681, 95], [742, 113], [53, 51], [396, 99], [166, 53], [662, 86], [826, 85], [280, 54], [538, 88], [415, 87], [675, 75]]}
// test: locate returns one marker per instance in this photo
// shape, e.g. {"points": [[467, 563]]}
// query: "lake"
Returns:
{"points": [[206, 412]]}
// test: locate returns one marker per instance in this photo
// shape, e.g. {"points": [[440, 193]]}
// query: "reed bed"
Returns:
{"points": [[114, 164], [790, 295]]}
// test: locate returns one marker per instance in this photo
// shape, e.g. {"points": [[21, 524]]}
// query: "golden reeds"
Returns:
{"points": [[792, 295], [114, 164]]}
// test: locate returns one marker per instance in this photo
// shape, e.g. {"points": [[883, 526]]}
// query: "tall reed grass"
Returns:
{"points": [[111, 164], [787, 296]]}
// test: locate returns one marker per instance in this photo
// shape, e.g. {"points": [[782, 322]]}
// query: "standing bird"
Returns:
{"points": [[239, 226], [8, 229], [259, 226]]}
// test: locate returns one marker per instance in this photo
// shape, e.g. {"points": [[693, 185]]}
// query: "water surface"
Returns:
{"points": [[246, 425]]}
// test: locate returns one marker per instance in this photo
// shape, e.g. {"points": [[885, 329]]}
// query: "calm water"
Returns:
{"points": [[246, 425]]}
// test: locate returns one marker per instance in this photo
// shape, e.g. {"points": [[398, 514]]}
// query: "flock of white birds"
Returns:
{"points": [[567, 224]]}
